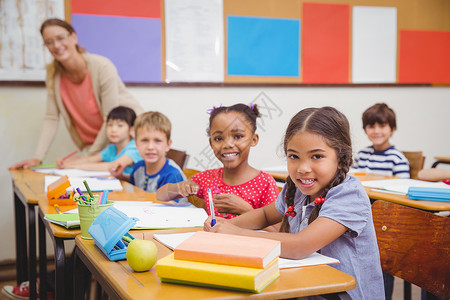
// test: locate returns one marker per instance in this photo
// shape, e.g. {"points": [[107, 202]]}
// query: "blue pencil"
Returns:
{"points": [[104, 197]]}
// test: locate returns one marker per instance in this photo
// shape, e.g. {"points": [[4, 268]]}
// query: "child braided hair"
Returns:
{"points": [[333, 126]]}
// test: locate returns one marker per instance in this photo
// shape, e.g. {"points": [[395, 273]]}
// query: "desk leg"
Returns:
{"points": [[81, 277], [81, 259], [42, 259], [32, 249], [60, 260], [21, 240]]}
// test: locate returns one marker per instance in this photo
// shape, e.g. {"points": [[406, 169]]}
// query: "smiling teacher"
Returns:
{"points": [[82, 88]]}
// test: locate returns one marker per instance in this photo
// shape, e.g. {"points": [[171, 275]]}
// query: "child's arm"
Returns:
{"points": [[434, 174], [231, 204], [315, 236], [172, 191], [117, 171], [95, 163], [75, 162]]}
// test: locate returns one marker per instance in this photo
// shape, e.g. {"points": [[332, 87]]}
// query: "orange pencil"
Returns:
{"points": [[70, 155]]}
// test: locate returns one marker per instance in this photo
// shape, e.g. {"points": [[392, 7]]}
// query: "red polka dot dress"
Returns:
{"points": [[258, 192]]}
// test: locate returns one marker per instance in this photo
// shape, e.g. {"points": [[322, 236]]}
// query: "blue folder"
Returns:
{"points": [[431, 194]]}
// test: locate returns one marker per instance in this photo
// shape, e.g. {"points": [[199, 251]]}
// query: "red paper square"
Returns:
{"points": [[325, 43], [424, 56]]}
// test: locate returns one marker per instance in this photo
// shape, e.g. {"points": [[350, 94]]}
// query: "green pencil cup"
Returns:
{"points": [[88, 213]]}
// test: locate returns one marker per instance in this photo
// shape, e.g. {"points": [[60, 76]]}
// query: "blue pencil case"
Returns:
{"points": [[430, 194], [110, 233]]}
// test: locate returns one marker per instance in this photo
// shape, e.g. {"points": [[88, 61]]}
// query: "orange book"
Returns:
{"points": [[227, 249]]}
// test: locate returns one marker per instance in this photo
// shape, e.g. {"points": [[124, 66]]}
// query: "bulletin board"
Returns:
{"points": [[268, 42]]}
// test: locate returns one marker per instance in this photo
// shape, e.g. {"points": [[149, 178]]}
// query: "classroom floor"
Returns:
{"points": [[398, 290]]}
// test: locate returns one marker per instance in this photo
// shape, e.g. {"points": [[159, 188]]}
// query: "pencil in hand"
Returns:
{"points": [[70, 155]]}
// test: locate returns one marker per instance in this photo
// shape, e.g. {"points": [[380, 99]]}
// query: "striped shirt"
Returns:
{"points": [[389, 162]]}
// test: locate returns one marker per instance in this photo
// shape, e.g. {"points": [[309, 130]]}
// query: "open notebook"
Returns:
{"points": [[401, 186], [174, 239]]}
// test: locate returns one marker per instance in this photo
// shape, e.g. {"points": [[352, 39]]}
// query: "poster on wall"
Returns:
{"points": [[194, 41], [22, 53]]}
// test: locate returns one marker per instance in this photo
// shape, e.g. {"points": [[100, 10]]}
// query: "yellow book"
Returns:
{"points": [[247, 279]]}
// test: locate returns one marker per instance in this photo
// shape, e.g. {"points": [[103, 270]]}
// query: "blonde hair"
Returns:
{"points": [[155, 120]]}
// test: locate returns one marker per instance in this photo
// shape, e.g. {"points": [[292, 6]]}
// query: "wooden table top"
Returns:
{"points": [[401, 199], [28, 184], [295, 282], [442, 158]]}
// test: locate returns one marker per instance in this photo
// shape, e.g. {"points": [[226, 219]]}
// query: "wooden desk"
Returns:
{"points": [[26, 195], [278, 176], [441, 160], [121, 282], [60, 234], [404, 200], [28, 192], [401, 199]]}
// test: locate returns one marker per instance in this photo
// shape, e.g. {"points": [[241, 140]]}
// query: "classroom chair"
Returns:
{"points": [[414, 246], [198, 202], [180, 157], [416, 162]]}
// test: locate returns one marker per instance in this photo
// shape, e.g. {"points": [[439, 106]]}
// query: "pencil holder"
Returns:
{"points": [[57, 190], [110, 233], [88, 213]]}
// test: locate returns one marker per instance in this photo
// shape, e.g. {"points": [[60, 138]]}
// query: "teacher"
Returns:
{"points": [[82, 88]]}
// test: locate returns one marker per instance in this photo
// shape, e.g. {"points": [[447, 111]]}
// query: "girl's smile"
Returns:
{"points": [[231, 138], [312, 163]]}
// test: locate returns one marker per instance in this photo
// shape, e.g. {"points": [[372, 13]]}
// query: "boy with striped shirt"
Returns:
{"points": [[381, 157]]}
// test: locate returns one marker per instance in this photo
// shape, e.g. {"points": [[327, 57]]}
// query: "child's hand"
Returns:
{"points": [[60, 163], [66, 163], [116, 170], [187, 188], [207, 224], [231, 204], [223, 227]]}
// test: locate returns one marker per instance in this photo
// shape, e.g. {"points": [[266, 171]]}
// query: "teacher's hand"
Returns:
{"points": [[26, 163]]}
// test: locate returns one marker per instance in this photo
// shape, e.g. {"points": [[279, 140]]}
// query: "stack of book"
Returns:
{"points": [[222, 260]]}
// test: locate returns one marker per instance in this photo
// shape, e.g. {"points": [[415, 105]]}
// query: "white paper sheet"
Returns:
{"points": [[95, 183], [401, 186], [194, 40], [159, 216], [374, 40], [174, 239]]}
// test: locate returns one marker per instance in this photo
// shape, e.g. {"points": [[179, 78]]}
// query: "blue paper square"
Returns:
{"points": [[258, 46], [132, 44]]}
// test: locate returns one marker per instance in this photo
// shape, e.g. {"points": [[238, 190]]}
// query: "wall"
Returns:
{"points": [[422, 117]]}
